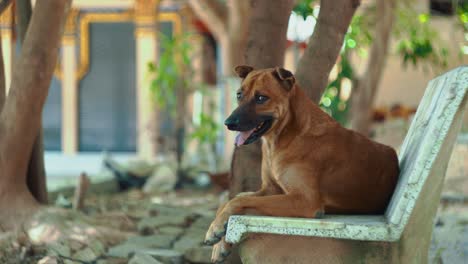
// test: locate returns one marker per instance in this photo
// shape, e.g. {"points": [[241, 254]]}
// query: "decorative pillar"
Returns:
{"points": [[8, 51], [69, 86], [146, 45]]}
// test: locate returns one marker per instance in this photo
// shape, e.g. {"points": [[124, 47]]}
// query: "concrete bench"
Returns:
{"points": [[403, 234]]}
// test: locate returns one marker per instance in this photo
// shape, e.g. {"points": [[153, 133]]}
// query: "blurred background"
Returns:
{"points": [[150, 85]]}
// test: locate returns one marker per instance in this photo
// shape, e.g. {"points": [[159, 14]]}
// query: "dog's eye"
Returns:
{"points": [[239, 95], [260, 99]]}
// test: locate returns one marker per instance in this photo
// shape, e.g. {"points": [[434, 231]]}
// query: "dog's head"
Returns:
{"points": [[263, 100]]}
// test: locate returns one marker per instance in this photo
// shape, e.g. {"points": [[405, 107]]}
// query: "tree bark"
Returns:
{"points": [[21, 114], [3, 5], [23, 14], [36, 178], [2, 78], [228, 24], [324, 46], [266, 41], [363, 94], [266, 45]]}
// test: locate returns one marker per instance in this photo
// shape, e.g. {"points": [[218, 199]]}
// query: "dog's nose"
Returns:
{"points": [[232, 122]]}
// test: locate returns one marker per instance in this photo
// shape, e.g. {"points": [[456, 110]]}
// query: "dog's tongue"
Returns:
{"points": [[243, 136]]}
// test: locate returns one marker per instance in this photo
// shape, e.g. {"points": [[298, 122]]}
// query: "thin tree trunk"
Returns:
{"points": [[266, 41], [21, 114], [3, 5], [23, 14], [266, 45], [228, 24], [363, 94], [36, 178], [324, 46], [2, 78], [36, 175]]}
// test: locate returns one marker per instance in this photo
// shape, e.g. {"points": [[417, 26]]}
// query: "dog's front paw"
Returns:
{"points": [[220, 251], [216, 231]]}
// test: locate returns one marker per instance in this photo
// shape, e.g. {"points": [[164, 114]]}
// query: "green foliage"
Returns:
{"points": [[462, 16], [173, 71], [206, 131], [304, 8], [418, 43], [462, 21], [332, 100]]}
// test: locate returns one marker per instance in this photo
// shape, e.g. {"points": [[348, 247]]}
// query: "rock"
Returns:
{"points": [[75, 245], [170, 230], [62, 201], [166, 210], [450, 240], [97, 247], [61, 249], [139, 243], [48, 260], [154, 241], [110, 260], [202, 223], [199, 254], [140, 168], [86, 254], [166, 255], [142, 258], [147, 224], [163, 179], [192, 238], [122, 250]]}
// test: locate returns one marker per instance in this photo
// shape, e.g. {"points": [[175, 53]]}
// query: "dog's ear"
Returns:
{"points": [[285, 77], [243, 70]]}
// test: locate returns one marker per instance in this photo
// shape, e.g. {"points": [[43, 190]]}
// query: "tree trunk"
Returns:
{"points": [[36, 178], [228, 24], [363, 95], [23, 14], [181, 113], [19, 124], [2, 78], [324, 46], [232, 52], [266, 45], [3, 5]]}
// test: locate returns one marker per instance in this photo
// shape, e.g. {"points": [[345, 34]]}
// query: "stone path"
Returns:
{"points": [[121, 228]]}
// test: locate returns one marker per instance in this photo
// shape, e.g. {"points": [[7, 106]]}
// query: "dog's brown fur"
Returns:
{"points": [[310, 163]]}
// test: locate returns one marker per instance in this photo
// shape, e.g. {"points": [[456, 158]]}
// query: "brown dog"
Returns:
{"points": [[310, 165]]}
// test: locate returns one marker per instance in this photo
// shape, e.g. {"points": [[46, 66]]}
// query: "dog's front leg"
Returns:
{"points": [[222, 249], [286, 205]]}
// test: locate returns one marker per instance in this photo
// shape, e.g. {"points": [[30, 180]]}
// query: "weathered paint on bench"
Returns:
{"points": [[423, 160]]}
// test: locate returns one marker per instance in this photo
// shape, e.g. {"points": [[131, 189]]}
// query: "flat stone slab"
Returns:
{"points": [[165, 255], [140, 244], [142, 258], [153, 223], [199, 254]]}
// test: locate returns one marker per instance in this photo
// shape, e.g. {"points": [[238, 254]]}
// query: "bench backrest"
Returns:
{"points": [[426, 149]]}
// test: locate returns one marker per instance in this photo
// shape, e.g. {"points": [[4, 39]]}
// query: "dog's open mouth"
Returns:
{"points": [[250, 136]]}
